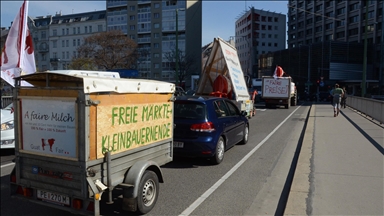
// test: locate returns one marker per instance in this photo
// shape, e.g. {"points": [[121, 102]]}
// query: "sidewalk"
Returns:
{"points": [[340, 167]]}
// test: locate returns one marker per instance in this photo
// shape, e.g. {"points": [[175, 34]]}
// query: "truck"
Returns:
{"points": [[85, 142], [279, 91], [222, 75]]}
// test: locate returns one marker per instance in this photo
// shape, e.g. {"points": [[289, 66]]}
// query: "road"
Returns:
{"points": [[252, 179]]}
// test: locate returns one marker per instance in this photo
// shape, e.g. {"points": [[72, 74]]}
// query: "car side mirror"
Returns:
{"points": [[243, 113]]}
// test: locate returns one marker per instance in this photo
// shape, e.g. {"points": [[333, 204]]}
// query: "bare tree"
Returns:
{"points": [[106, 50], [186, 64]]}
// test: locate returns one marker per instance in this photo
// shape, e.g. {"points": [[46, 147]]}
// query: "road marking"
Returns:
{"points": [[7, 165], [206, 194]]}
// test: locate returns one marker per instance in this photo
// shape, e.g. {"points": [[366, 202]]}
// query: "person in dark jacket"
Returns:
{"points": [[344, 98]]}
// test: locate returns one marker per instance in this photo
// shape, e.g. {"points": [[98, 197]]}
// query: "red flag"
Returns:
{"points": [[279, 72], [17, 57]]}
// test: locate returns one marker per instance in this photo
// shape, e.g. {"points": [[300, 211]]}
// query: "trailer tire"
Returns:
{"points": [[148, 192]]}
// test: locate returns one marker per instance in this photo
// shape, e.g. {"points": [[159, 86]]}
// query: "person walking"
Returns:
{"points": [[344, 98], [337, 94]]}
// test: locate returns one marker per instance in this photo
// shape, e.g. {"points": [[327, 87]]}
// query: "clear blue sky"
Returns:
{"points": [[218, 16]]}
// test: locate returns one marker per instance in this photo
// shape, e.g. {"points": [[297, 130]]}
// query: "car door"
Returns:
{"points": [[238, 123], [225, 121]]}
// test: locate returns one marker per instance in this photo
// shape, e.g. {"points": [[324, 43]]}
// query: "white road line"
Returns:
{"points": [[206, 194], [7, 165]]}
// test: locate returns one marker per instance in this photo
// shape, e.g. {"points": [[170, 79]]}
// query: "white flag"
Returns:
{"points": [[17, 57]]}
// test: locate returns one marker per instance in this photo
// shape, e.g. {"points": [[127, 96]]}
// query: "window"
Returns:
{"points": [[156, 25], [63, 55], [74, 42], [156, 35], [78, 42], [78, 30], [340, 11], [263, 44], [67, 43], [319, 7], [156, 55], [329, 26], [269, 44], [62, 43], [54, 55], [157, 5], [269, 27], [269, 19], [67, 55], [54, 32], [156, 45], [354, 31], [54, 44], [318, 18], [263, 18], [86, 29], [354, 19], [74, 30], [90, 29], [132, 8], [340, 23], [43, 57], [43, 35], [132, 17], [62, 31], [74, 54], [262, 35], [276, 19], [100, 28], [276, 28], [319, 28], [340, 34], [132, 37], [67, 31], [269, 35], [276, 36], [156, 15], [156, 65], [132, 27], [275, 44], [354, 7]]}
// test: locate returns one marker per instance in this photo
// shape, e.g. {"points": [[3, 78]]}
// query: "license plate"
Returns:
{"points": [[178, 144], [53, 197]]}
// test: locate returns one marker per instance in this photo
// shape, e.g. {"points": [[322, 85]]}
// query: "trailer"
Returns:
{"points": [[83, 141], [222, 75], [279, 91]]}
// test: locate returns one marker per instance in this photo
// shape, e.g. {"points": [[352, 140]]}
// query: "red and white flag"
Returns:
{"points": [[279, 72], [17, 57]]}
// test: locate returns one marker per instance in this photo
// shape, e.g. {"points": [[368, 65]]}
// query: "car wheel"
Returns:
{"points": [[148, 192], [219, 152], [245, 135]]}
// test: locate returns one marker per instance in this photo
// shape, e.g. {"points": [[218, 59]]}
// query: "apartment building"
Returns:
{"points": [[258, 32], [56, 38], [337, 20], [152, 24]]}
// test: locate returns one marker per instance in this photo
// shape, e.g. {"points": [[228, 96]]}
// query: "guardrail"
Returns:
{"points": [[371, 107], [5, 101]]}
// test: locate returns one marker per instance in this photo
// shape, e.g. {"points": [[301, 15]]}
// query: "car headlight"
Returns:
{"points": [[7, 125]]}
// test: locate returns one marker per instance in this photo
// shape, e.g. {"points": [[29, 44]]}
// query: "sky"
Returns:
{"points": [[219, 17]]}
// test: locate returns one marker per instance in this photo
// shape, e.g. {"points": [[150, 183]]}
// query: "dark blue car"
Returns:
{"points": [[207, 127]]}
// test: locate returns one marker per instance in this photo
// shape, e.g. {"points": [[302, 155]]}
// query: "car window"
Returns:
{"points": [[220, 109], [189, 110], [233, 110]]}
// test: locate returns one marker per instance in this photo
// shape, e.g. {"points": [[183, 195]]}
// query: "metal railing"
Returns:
{"points": [[371, 107], [5, 101]]}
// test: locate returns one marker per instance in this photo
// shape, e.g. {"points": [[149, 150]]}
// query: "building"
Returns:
{"points": [[152, 24], [56, 38], [258, 32], [326, 44]]}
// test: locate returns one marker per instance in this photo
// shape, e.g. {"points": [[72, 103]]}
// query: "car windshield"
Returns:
{"points": [[189, 110]]}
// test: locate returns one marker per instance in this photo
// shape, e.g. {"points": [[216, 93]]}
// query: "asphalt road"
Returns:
{"points": [[252, 179]]}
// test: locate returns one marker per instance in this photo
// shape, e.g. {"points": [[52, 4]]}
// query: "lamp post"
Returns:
{"points": [[363, 83], [381, 71], [177, 47]]}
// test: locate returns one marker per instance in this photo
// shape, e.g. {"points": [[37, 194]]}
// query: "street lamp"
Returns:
{"points": [[177, 45]]}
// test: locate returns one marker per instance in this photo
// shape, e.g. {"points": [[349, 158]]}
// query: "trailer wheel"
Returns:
{"points": [[148, 192], [219, 152]]}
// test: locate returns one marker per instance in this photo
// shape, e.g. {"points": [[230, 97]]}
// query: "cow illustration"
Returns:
{"points": [[49, 142]]}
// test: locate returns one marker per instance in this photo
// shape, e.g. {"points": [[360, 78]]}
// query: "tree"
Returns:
{"points": [[106, 50], [186, 64]]}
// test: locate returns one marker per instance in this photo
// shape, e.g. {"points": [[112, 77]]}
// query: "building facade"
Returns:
{"points": [[152, 24], [56, 38], [332, 41], [258, 32]]}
